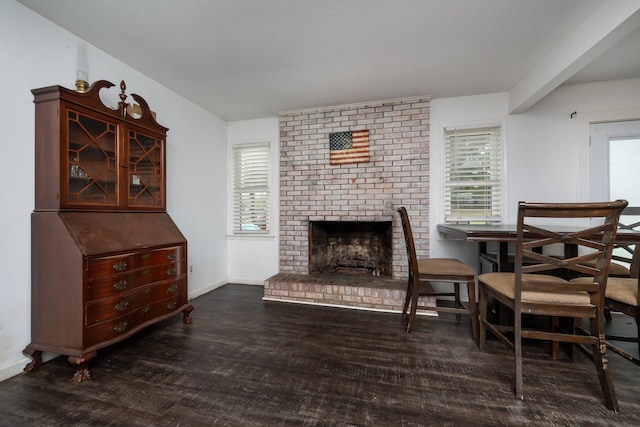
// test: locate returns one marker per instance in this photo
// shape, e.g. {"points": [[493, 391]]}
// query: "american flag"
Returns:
{"points": [[349, 147]]}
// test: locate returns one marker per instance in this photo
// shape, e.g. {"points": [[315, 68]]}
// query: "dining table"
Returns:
{"points": [[496, 242]]}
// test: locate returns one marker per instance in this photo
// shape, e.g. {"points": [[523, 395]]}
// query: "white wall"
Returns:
{"points": [[37, 53], [546, 150], [467, 111], [252, 259]]}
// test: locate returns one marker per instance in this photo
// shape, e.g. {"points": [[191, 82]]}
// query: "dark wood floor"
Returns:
{"points": [[248, 362]]}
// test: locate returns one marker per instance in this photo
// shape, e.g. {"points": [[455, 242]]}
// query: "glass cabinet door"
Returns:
{"points": [[92, 167], [146, 170]]}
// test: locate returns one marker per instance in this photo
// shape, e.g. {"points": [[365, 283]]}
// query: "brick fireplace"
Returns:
{"points": [[314, 193]]}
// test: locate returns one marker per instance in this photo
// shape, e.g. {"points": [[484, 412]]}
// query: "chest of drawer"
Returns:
{"points": [[126, 282], [113, 307], [116, 327], [122, 263]]}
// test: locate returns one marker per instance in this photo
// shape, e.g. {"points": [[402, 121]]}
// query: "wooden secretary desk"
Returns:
{"points": [[106, 258]]}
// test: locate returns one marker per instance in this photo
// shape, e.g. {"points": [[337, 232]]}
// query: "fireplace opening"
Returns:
{"points": [[350, 247]]}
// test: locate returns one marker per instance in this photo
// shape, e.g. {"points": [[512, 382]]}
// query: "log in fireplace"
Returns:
{"points": [[351, 247]]}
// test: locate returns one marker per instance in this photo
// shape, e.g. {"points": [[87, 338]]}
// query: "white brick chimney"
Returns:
{"points": [[397, 175]]}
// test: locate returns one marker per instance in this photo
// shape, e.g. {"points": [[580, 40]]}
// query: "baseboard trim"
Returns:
{"points": [[351, 307], [196, 293]]}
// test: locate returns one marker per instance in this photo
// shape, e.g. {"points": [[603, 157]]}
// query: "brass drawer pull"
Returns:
{"points": [[146, 291], [122, 305], [171, 257], [173, 288], [120, 265], [172, 305], [120, 327], [145, 256], [172, 271], [145, 272], [120, 285], [145, 310]]}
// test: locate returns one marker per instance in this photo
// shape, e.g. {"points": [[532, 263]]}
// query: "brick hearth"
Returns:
{"points": [[344, 290]]}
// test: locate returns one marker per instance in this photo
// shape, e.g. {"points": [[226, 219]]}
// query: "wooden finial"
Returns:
{"points": [[123, 97], [123, 87]]}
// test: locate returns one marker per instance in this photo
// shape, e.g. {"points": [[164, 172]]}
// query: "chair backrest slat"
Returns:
{"points": [[625, 253], [408, 238], [635, 265]]}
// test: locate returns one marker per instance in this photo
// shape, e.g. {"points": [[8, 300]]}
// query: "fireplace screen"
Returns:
{"points": [[356, 247]]}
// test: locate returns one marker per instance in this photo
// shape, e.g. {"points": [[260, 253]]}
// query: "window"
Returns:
{"points": [[624, 157], [473, 175], [251, 192], [624, 175]]}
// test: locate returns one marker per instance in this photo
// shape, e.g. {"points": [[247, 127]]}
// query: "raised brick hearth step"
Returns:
{"points": [[360, 291]]}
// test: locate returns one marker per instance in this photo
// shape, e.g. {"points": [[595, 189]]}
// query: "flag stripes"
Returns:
{"points": [[349, 147]]}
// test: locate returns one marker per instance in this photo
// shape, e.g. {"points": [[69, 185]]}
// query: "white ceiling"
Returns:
{"points": [[244, 59]]}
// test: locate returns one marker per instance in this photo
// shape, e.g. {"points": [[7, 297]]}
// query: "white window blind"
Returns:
{"points": [[473, 175], [251, 193]]}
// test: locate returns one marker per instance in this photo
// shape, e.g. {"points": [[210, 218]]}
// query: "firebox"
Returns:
{"points": [[357, 247]]}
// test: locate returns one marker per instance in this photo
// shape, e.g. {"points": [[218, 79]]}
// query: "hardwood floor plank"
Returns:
{"points": [[250, 362]]}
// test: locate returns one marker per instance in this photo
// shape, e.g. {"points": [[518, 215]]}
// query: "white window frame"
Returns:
{"points": [[254, 187], [491, 168]]}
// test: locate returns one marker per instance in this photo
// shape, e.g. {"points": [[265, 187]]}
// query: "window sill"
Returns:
{"points": [[251, 236]]}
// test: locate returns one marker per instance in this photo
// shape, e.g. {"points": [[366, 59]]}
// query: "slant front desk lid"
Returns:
{"points": [[102, 232]]}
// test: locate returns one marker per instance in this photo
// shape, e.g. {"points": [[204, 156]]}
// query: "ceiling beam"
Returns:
{"points": [[614, 20]]}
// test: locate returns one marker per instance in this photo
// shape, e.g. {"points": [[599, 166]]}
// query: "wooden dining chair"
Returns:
{"points": [[623, 252], [621, 296], [425, 271], [529, 291]]}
